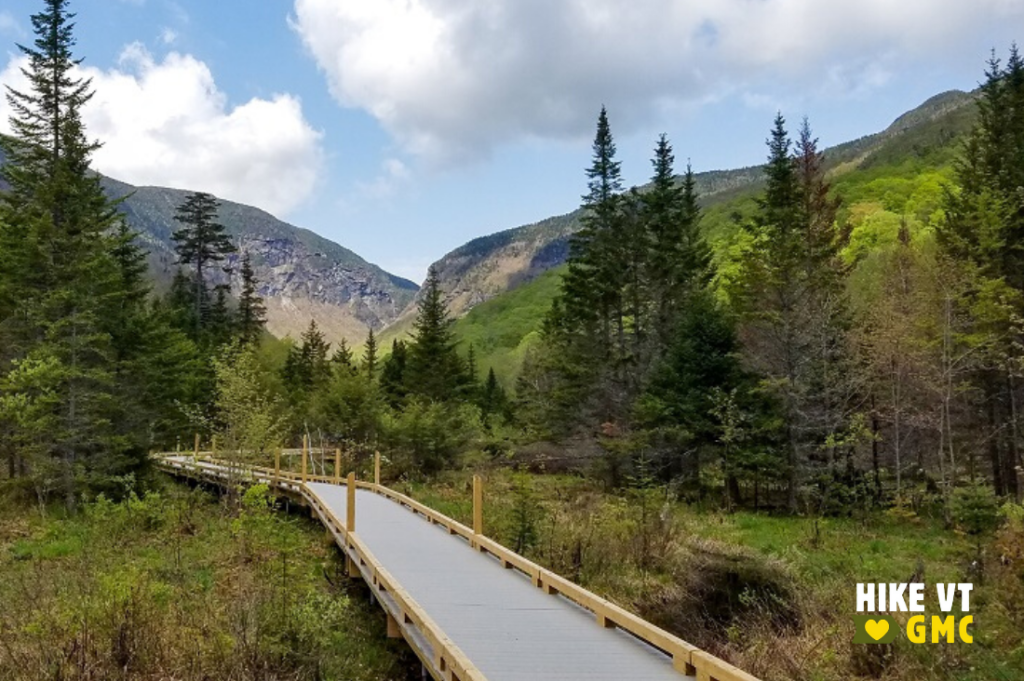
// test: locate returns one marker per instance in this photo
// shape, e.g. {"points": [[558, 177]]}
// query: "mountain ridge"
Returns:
{"points": [[490, 265], [302, 275]]}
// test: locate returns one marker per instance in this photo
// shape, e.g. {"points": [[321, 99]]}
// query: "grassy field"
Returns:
{"points": [[774, 595], [179, 584]]}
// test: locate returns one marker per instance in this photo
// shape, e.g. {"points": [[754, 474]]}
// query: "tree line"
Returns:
{"points": [[795, 370], [95, 368]]}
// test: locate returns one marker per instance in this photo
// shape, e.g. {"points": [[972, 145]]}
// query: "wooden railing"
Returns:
{"points": [[448, 660]]}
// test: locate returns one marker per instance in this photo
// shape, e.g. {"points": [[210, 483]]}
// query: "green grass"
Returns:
{"points": [[800, 569], [180, 584]]}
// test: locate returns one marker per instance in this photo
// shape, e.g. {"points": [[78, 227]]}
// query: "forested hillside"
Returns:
{"points": [[721, 409], [878, 175], [491, 265]]}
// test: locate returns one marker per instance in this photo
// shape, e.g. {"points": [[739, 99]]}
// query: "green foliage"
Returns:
{"points": [[976, 509], [201, 242], [175, 584], [253, 420], [502, 329], [252, 313], [427, 436], [434, 370]]}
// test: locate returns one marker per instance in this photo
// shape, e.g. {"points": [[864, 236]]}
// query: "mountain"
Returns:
{"points": [[302, 276], [900, 171], [489, 266]]}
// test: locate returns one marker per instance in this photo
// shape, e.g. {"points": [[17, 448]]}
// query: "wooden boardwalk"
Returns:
{"points": [[469, 608]]}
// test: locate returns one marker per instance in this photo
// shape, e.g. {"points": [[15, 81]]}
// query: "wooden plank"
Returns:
{"points": [[478, 505], [305, 455], [350, 515]]}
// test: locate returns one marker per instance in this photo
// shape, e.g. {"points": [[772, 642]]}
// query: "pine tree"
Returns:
{"points": [[252, 312], [57, 207], [493, 399], [983, 235], [307, 367], [343, 359], [593, 281], [790, 294], [679, 256], [434, 370], [393, 374], [202, 241], [370, 356]]}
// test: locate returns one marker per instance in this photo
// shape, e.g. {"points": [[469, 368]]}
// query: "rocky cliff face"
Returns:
{"points": [[302, 275]]}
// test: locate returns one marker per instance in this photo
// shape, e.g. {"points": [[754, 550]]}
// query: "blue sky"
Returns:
{"points": [[403, 128]]}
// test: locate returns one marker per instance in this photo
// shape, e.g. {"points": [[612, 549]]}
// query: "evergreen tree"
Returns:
{"points": [[593, 281], [343, 360], [201, 242], [393, 374], [790, 294], [983, 235], [679, 257], [252, 313], [434, 369], [307, 367], [493, 398], [57, 210], [220, 318], [370, 359]]}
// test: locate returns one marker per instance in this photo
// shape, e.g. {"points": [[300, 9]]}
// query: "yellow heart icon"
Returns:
{"points": [[876, 628]]}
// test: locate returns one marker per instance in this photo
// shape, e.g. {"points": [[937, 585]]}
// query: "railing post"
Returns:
{"points": [[195, 454], [277, 465], [305, 450], [337, 466], [350, 512], [376, 468], [478, 506]]}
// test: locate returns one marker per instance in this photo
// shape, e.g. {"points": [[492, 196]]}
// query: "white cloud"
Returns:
{"points": [[393, 174], [451, 79], [168, 36], [166, 123]]}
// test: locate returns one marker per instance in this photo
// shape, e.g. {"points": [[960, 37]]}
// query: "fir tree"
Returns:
{"points": [[593, 280], [343, 359], [57, 208], [434, 370], [393, 374], [791, 296], [307, 366], [370, 356], [982, 234], [201, 242], [252, 312]]}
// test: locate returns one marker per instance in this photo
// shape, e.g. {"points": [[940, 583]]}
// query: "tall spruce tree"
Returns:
{"points": [[308, 367], [56, 209], [434, 369], [201, 242], [593, 281], [790, 296], [252, 312], [393, 373], [983, 235], [370, 358]]}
